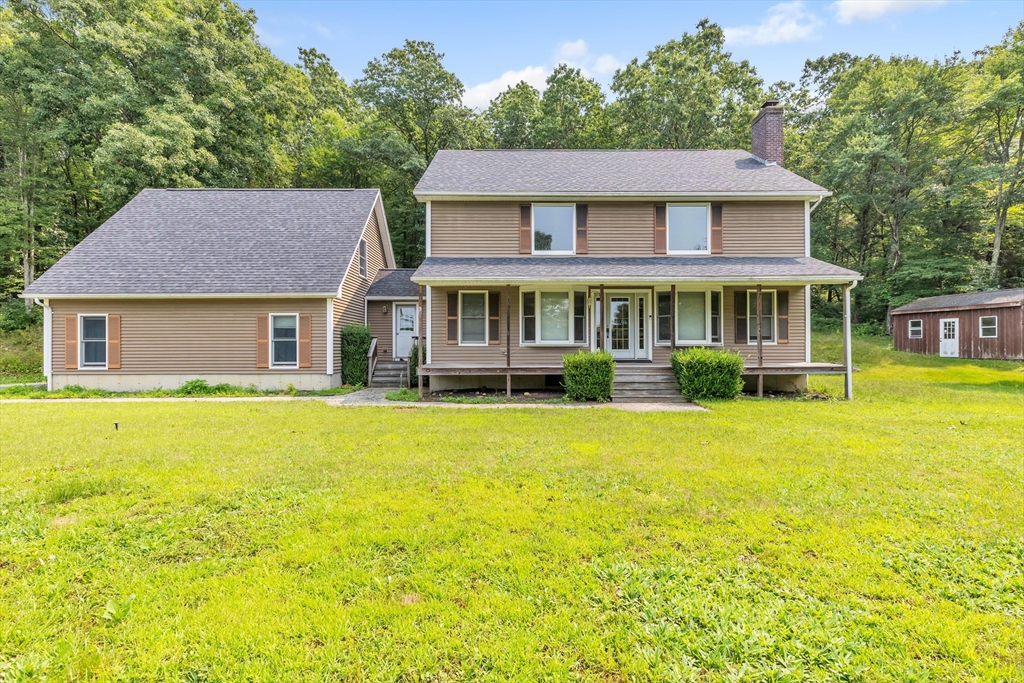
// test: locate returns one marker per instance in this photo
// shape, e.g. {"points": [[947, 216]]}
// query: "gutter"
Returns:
{"points": [[568, 196], [188, 295], [815, 204]]}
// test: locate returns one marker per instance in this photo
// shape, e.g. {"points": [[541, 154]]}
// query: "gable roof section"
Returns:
{"points": [[998, 298], [612, 173], [214, 242], [393, 283]]}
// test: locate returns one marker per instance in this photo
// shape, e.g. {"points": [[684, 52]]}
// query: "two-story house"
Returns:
{"points": [[533, 254]]}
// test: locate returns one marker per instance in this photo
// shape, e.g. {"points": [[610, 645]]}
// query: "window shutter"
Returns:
{"points": [[494, 317], [263, 341], [305, 341], [113, 342], [453, 317], [782, 302], [740, 306], [660, 230], [525, 229], [716, 228], [71, 342], [581, 228]]}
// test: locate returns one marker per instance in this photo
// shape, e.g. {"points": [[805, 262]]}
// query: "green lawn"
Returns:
{"points": [[881, 539]]}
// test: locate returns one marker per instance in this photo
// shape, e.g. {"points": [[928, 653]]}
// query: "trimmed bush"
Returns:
{"points": [[414, 361], [588, 375], [708, 373], [355, 344]]}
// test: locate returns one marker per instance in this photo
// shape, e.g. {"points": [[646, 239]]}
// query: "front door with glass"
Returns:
{"points": [[625, 328], [405, 330]]}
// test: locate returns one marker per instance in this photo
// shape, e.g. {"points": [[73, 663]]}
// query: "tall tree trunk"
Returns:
{"points": [[997, 241]]}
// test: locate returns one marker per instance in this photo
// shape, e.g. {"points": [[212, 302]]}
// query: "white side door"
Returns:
{"points": [[405, 329], [949, 337]]}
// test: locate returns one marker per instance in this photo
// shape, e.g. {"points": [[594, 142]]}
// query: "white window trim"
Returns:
{"points": [[270, 339], [533, 229], [364, 258], [707, 319], [487, 316], [982, 326], [571, 343], [911, 330], [81, 341], [668, 229], [775, 318]]}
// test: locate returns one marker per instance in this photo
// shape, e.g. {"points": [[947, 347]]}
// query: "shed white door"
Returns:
{"points": [[405, 329], [949, 337]]}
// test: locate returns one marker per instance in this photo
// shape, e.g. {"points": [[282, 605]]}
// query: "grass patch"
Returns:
{"points": [[403, 394], [873, 540], [191, 389]]}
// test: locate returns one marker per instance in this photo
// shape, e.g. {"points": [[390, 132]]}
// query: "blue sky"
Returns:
{"points": [[490, 45]]}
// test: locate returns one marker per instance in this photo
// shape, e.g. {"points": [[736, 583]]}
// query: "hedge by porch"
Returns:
{"points": [[588, 375], [355, 344], [708, 373]]}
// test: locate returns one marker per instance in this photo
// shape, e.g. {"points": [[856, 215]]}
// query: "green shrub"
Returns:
{"points": [[14, 315], [708, 373], [355, 344], [588, 375], [414, 361], [402, 394]]}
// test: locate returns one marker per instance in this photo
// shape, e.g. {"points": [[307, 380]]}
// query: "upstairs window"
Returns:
{"points": [[554, 228], [689, 229], [989, 326], [94, 341], [915, 330]]}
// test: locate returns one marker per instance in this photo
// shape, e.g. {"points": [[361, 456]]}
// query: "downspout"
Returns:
{"points": [[848, 340], [815, 204]]}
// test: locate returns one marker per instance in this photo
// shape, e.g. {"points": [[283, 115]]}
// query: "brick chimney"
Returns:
{"points": [[766, 133]]}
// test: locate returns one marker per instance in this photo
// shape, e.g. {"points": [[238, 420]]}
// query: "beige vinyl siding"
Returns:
{"points": [[381, 326], [793, 352], [763, 229], [615, 228], [443, 352], [168, 336], [349, 308]]}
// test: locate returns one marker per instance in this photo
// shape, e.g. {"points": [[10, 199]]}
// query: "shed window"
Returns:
{"points": [[915, 329], [94, 341], [284, 341], [554, 229], [989, 327], [689, 228], [473, 318]]}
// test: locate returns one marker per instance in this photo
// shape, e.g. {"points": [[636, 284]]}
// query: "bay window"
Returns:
{"points": [[554, 229], [689, 229]]}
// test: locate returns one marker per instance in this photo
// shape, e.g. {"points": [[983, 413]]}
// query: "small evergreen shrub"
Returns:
{"points": [[355, 344], [14, 315], [588, 375], [708, 373], [414, 361]]}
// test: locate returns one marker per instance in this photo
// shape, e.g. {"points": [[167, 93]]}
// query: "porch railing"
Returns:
{"points": [[371, 361]]}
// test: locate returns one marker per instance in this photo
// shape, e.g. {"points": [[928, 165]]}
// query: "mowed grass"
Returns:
{"points": [[881, 539]]}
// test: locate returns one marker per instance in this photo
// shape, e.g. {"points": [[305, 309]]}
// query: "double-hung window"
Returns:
{"points": [[554, 317], [472, 318], [284, 341], [768, 316], [989, 326], [698, 317], [554, 228], [689, 228], [915, 329], [94, 341]]}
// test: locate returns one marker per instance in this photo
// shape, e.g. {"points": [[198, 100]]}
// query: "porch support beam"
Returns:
{"points": [[508, 339], [421, 313], [760, 346], [847, 341], [672, 319], [600, 315]]}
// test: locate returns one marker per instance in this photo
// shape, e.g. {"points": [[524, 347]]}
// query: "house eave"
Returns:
{"points": [[185, 295], [597, 196], [645, 280]]}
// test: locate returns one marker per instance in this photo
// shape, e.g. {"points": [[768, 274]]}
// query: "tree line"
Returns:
{"points": [[100, 99]]}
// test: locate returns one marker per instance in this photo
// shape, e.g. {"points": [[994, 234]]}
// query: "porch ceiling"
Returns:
{"points": [[611, 271]]}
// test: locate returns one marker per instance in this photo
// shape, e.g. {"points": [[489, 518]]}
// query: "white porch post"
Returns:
{"points": [[48, 344], [847, 340]]}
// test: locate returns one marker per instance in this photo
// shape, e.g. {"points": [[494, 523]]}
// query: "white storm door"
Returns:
{"points": [[620, 326], [405, 329], [949, 337]]}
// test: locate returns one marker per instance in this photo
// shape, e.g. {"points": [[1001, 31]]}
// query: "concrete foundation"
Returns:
{"points": [[303, 381], [789, 384], [462, 382]]}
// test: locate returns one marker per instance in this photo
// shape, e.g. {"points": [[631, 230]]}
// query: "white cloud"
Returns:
{"points": [[787, 22], [324, 31], [849, 11], [578, 55], [266, 37], [571, 52], [479, 96], [606, 64]]}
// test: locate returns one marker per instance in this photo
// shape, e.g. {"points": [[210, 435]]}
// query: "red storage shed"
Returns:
{"points": [[974, 325]]}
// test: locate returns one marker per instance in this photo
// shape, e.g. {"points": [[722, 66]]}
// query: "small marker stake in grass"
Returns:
{"points": [[115, 426]]}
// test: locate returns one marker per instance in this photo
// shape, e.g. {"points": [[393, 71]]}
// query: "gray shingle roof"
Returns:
{"points": [[217, 242], [612, 172], [1002, 297], [396, 282], [596, 269]]}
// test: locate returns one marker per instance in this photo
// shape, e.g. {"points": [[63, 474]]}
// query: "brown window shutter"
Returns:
{"points": [[263, 341], [782, 304], [660, 229], [113, 342], [305, 341], [453, 317], [494, 317], [716, 228], [581, 228], [525, 229], [71, 342], [740, 306]]}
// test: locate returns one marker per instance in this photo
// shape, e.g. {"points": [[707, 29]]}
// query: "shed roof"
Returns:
{"points": [[217, 242], [660, 172], [999, 297], [601, 269], [393, 282]]}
